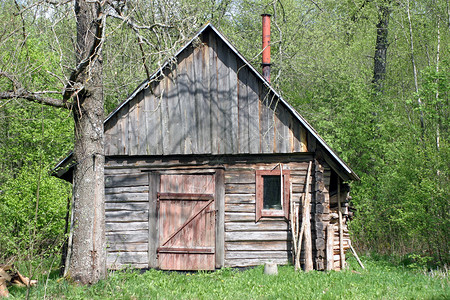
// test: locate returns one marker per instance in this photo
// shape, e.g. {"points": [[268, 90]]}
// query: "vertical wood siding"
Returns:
{"points": [[187, 222], [209, 102]]}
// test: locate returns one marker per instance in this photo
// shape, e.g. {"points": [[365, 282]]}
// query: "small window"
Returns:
{"points": [[270, 202], [272, 192]]}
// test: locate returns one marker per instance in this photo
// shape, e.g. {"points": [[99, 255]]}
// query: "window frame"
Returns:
{"points": [[260, 211]]}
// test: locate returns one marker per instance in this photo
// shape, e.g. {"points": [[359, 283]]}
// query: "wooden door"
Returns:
{"points": [[186, 222]]}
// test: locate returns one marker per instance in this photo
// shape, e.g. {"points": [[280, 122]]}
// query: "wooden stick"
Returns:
{"points": [[302, 229], [293, 228], [299, 242], [329, 249], [307, 226], [341, 234], [282, 186], [356, 255], [65, 246]]}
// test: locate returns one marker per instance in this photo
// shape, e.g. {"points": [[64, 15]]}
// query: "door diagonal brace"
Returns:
{"points": [[189, 220]]}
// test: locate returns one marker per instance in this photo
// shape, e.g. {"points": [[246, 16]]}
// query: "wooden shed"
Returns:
{"points": [[203, 161]]}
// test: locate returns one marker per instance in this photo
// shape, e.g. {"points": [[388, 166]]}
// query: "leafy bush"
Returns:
{"points": [[32, 212]]}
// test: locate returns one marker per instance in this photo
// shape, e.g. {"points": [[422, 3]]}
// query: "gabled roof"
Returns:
{"points": [[336, 161]]}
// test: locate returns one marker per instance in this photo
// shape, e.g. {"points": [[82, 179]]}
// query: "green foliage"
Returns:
{"points": [[32, 137], [404, 207], [381, 279], [31, 133], [18, 205]]}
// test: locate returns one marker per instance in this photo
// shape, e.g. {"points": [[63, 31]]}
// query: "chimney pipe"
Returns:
{"points": [[266, 46]]}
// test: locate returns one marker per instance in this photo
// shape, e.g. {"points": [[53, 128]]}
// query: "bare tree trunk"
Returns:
{"points": [[379, 60], [88, 259], [448, 14], [416, 84]]}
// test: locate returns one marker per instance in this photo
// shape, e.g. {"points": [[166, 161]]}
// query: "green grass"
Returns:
{"points": [[380, 280]]}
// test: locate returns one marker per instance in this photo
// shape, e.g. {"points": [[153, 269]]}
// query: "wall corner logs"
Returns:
{"points": [[320, 213], [325, 217]]}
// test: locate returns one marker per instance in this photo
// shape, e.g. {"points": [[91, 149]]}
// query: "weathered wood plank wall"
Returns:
{"points": [[245, 241], [249, 243], [209, 102], [126, 218]]}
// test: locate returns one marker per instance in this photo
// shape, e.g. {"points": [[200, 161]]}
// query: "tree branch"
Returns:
{"points": [[19, 92], [136, 28], [16, 84], [37, 3], [133, 24], [72, 86], [34, 97], [317, 5]]}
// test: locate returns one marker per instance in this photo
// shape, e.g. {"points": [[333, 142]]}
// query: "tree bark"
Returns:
{"points": [[379, 60], [438, 105], [413, 62], [88, 259]]}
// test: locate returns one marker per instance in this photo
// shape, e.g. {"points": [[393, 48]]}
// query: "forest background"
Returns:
{"points": [[390, 125]]}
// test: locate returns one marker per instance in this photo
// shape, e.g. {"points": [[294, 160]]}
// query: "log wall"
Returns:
{"points": [[249, 243], [126, 217], [246, 242], [320, 212]]}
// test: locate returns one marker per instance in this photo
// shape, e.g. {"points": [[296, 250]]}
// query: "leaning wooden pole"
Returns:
{"points": [[307, 226], [356, 255], [297, 233], [302, 230], [65, 246], [329, 249], [341, 233], [294, 230]]}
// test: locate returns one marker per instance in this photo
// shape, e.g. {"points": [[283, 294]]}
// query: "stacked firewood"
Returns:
{"points": [[10, 276]]}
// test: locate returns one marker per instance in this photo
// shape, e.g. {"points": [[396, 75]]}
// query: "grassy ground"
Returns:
{"points": [[380, 280]]}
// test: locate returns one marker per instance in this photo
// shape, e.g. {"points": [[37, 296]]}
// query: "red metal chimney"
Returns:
{"points": [[266, 46]]}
